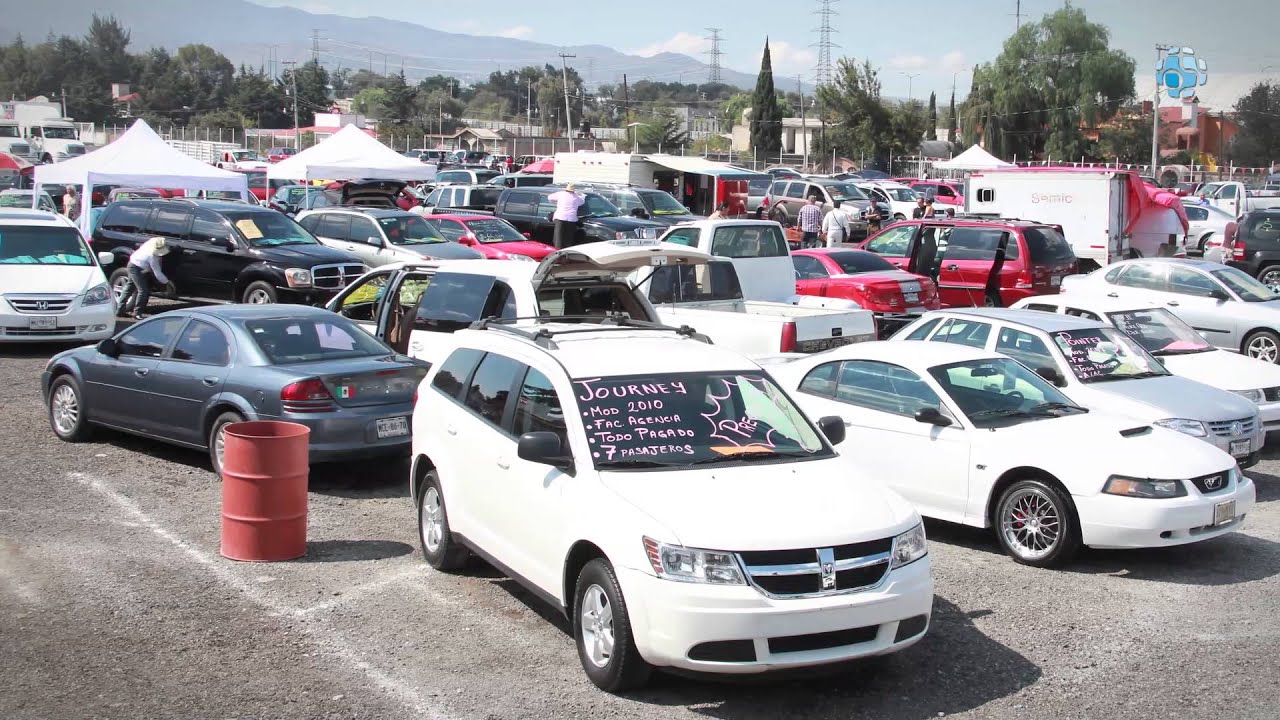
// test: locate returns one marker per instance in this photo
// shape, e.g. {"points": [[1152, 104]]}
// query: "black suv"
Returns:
{"points": [[647, 203], [531, 209], [1256, 247], [225, 251]]}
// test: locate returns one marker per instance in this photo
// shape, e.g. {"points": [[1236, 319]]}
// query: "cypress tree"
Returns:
{"points": [[951, 119], [766, 118], [932, 132]]}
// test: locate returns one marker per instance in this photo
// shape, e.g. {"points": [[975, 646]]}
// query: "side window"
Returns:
{"points": [[362, 229], [333, 226], [361, 303], [986, 195], [779, 187], [125, 218], [816, 191], [821, 380], [202, 343], [501, 302], [490, 387], [545, 207], [434, 198], [1227, 192], [1077, 312], [1189, 282], [795, 190], [310, 223], [151, 338], [1025, 348], [923, 330], [452, 301], [209, 227], [1113, 275], [809, 268], [170, 222], [1196, 214], [884, 387], [894, 242], [538, 408], [964, 332], [456, 372], [1143, 275], [749, 241], [683, 236], [521, 203]]}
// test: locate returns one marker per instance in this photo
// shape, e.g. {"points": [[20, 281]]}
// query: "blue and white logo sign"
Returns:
{"points": [[1181, 72]]}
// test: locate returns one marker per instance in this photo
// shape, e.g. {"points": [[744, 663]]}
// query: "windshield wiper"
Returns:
{"points": [[1165, 353], [1051, 406], [716, 460], [1005, 413]]}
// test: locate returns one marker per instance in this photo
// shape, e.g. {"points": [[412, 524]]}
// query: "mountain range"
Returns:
{"points": [[245, 33]]}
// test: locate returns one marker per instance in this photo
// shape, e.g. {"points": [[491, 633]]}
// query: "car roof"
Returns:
{"points": [[919, 354], [460, 216], [1189, 262], [1094, 303], [255, 312], [1047, 322], [362, 210], [28, 216]]}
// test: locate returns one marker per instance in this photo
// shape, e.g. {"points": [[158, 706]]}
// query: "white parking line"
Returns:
{"points": [[325, 638], [359, 590]]}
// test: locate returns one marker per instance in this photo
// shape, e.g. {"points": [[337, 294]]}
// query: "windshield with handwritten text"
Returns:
{"points": [[1102, 354], [674, 421]]}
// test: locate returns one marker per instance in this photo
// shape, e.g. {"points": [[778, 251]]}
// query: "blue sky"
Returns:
{"points": [[935, 40]]}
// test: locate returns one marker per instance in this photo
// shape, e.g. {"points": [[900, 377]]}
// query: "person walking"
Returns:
{"points": [[928, 208], [810, 221], [566, 215], [918, 211], [71, 203], [144, 267], [835, 226], [721, 213]]}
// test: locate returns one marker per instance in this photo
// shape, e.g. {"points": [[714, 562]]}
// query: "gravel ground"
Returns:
{"points": [[114, 603]]}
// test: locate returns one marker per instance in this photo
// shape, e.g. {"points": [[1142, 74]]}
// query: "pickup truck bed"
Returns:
{"points": [[748, 325]]}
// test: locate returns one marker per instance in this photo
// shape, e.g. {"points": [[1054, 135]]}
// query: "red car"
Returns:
{"points": [[276, 154], [943, 193], [979, 262], [257, 183], [864, 277], [495, 237]]}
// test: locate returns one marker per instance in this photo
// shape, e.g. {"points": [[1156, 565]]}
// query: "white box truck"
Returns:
{"points": [[53, 138], [1105, 214], [607, 168]]}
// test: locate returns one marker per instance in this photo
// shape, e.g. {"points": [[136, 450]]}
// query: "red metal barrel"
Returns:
{"points": [[264, 491]]}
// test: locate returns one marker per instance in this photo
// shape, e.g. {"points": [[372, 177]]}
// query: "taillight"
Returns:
{"points": [[1025, 279], [1237, 253], [306, 396], [883, 296], [765, 201], [788, 337]]}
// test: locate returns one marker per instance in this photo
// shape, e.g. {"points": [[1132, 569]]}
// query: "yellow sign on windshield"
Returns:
{"points": [[249, 228]]}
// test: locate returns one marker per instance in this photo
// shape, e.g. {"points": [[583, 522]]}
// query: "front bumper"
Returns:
{"points": [[350, 433], [77, 324], [1110, 521], [1248, 459], [305, 295], [1270, 412], [670, 620]]}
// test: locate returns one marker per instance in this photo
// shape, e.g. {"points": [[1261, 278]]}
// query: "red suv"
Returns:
{"points": [[979, 262]]}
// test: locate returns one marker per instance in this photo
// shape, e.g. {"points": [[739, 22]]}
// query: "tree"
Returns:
{"points": [[951, 118], [205, 74], [223, 119], [1258, 114], [401, 102], [1126, 139], [662, 132], [1052, 79], [861, 124], [766, 119], [908, 126], [931, 132], [370, 101], [261, 101], [731, 110], [313, 90]]}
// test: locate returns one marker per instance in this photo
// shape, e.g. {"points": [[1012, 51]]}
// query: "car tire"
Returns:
{"points": [[1269, 275], [1262, 345], [440, 549], [602, 631], [1037, 524], [66, 410], [899, 217], [119, 283], [217, 439], [259, 292]]}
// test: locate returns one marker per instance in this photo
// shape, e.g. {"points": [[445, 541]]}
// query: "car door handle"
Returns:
{"points": [[504, 464], [141, 372], [953, 267], [1115, 295], [1174, 303], [210, 381], [451, 430]]}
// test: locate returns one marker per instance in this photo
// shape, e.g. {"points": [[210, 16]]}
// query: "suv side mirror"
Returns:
{"points": [[932, 416], [108, 347], [833, 427], [527, 236], [227, 244], [543, 448], [376, 241], [1052, 375], [106, 258]]}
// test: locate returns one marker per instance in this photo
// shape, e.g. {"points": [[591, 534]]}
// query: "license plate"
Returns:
{"points": [[1239, 448], [393, 427], [1055, 281], [911, 297], [909, 287], [42, 323], [1224, 512]]}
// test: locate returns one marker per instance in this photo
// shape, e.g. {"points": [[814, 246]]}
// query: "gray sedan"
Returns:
{"points": [[181, 377]]}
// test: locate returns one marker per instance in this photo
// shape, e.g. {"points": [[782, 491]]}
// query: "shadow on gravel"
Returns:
{"points": [[327, 551], [954, 669], [197, 459], [1228, 560], [1266, 486], [23, 351], [368, 479]]}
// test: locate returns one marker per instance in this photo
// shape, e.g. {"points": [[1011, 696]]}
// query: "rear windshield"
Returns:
{"points": [[749, 241], [42, 246], [687, 283], [759, 187], [1047, 246], [485, 197], [288, 340], [852, 263], [484, 176]]}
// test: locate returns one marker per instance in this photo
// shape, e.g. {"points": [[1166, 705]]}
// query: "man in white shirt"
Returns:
{"points": [[566, 215], [144, 268], [835, 226]]}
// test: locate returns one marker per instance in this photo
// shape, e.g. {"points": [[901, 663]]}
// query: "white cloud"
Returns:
{"points": [[682, 42], [519, 32], [909, 62], [955, 61], [788, 60]]}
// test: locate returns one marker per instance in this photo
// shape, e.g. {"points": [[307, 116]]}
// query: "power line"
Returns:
{"points": [[713, 73], [824, 44]]}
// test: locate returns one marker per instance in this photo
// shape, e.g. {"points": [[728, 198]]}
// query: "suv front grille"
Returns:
{"points": [[335, 277], [1272, 394], [41, 304], [800, 573], [1226, 428]]}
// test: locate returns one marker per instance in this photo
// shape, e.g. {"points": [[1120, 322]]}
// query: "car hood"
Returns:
{"points": [[529, 248], [622, 222], [49, 279], [1167, 397], [316, 254], [443, 250], [819, 503], [1225, 370]]}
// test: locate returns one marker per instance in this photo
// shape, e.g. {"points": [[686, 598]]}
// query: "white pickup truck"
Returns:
{"points": [[1235, 198], [415, 306]]}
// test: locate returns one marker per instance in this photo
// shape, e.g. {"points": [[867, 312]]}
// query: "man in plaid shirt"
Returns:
{"points": [[810, 221]]}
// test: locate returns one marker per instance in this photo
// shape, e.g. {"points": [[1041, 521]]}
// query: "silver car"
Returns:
{"points": [[381, 236]]}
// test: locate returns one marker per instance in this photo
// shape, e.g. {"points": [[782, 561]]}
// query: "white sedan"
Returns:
{"points": [[1228, 306], [1207, 229], [1178, 347], [973, 437]]}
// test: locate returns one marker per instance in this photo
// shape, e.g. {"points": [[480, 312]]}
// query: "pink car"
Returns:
{"points": [[943, 193], [496, 238]]}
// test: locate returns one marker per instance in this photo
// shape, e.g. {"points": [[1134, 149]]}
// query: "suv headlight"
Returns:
{"points": [[297, 277], [97, 295], [910, 546], [1253, 396], [1194, 428], [1143, 488], [518, 256], [682, 564]]}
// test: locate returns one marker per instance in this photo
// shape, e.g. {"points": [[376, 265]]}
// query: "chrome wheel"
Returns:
{"points": [[596, 617], [220, 445], [119, 288], [1271, 278], [432, 519], [65, 409], [258, 297], [1031, 523], [1263, 347]]}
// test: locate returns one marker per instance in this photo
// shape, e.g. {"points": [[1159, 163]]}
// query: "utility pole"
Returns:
{"points": [[911, 77], [1017, 13], [804, 126], [1155, 114], [825, 12], [315, 45], [293, 80], [568, 115], [713, 74], [528, 105]]}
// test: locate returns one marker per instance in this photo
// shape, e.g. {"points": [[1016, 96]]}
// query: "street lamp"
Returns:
{"points": [[910, 82], [635, 136]]}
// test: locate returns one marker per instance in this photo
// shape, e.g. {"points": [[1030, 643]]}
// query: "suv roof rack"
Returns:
{"points": [[543, 336]]}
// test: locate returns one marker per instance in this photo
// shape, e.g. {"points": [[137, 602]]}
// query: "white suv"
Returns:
{"points": [[53, 287], [689, 518]]}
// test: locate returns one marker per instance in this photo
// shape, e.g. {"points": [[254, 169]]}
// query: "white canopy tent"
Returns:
{"points": [[975, 158], [138, 158], [350, 154]]}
